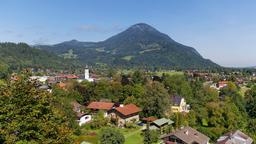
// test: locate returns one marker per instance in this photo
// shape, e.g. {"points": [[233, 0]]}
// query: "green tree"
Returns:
{"points": [[150, 136], [251, 102], [156, 100], [111, 136], [138, 77], [29, 115], [98, 121], [177, 84]]}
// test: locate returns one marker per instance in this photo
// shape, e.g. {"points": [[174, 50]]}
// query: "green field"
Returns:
{"points": [[160, 73], [127, 58], [132, 136]]}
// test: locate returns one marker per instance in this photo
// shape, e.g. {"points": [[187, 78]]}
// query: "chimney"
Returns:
{"points": [[186, 132]]}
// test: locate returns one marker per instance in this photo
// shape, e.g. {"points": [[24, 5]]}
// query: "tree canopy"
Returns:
{"points": [[29, 116]]}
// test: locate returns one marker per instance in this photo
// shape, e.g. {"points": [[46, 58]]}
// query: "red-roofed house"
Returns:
{"points": [[106, 107], [126, 114], [222, 84]]}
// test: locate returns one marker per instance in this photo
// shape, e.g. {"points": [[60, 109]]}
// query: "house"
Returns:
{"points": [[41, 79], [82, 118], [106, 107], [179, 104], [160, 124], [126, 114], [222, 84], [236, 137], [186, 135], [63, 77]]}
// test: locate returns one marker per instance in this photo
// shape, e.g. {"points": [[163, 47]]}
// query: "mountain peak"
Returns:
{"points": [[139, 45], [142, 27], [139, 33]]}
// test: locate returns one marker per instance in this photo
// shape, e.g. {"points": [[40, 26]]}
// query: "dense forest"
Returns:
{"points": [[18, 56]]}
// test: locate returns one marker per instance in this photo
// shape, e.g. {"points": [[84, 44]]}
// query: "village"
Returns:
{"points": [[127, 72], [129, 116]]}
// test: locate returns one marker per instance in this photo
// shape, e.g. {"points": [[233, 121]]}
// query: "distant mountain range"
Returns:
{"points": [[139, 46]]}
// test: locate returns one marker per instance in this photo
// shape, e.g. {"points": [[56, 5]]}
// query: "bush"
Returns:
{"points": [[130, 125], [111, 136], [151, 136]]}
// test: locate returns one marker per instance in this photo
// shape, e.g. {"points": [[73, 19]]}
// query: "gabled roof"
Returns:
{"points": [[176, 100], [128, 109], [163, 121], [100, 105], [236, 137], [189, 136]]}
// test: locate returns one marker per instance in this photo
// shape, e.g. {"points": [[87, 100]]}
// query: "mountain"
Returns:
{"points": [[15, 56], [138, 46]]}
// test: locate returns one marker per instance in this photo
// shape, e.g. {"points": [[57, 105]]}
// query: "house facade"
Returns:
{"points": [[179, 104], [126, 114]]}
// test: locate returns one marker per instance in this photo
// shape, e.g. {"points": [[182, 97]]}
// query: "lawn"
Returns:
{"points": [[132, 136], [127, 58]]}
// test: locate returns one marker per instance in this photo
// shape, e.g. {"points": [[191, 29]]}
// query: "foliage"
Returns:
{"points": [[155, 102], [138, 77], [98, 121], [29, 115], [18, 56], [111, 136], [214, 116], [177, 84], [63, 101], [251, 102], [151, 136]]}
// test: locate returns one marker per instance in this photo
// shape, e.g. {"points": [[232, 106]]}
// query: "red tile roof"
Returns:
{"points": [[128, 109], [68, 76], [100, 105], [72, 77]]}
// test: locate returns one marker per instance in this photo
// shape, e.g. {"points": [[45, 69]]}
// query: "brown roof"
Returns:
{"points": [[189, 136], [150, 119], [101, 105], [128, 109]]}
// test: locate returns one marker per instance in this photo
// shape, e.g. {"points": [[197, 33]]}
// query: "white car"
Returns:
{"points": [[85, 119]]}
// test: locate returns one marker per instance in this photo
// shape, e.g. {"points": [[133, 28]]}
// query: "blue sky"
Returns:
{"points": [[221, 30]]}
